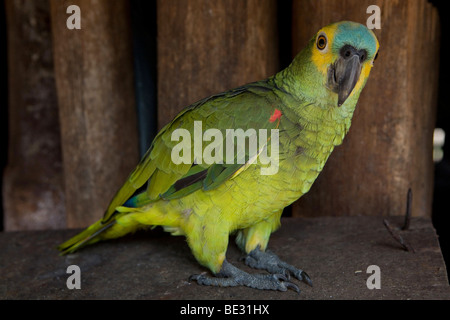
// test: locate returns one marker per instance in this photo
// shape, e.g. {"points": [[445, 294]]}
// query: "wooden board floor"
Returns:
{"points": [[334, 251]]}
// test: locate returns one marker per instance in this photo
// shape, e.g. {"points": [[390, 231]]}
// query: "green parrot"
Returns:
{"points": [[185, 185]]}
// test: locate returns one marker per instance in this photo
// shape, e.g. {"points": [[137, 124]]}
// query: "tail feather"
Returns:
{"points": [[88, 236], [125, 220]]}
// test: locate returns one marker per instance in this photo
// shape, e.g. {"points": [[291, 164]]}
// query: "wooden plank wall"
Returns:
{"points": [[94, 78], [33, 182], [204, 47], [65, 166]]}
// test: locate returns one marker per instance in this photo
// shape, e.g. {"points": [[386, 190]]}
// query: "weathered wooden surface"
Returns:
{"points": [[206, 47], [389, 146], [334, 251], [94, 77], [33, 185]]}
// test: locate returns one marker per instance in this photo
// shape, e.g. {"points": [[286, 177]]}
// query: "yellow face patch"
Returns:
{"points": [[365, 70], [323, 58]]}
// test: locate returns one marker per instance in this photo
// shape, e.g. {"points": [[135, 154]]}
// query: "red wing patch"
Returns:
{"points": [[276, 115]]}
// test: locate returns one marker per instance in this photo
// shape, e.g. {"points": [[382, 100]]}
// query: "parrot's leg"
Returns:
{"points": [[231, 276], [253, 241], [209, 242]]}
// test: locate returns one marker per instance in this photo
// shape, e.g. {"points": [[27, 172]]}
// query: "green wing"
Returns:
{"points": [[249, 107]]}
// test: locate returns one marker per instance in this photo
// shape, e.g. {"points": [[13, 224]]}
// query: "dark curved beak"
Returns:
{"points": [[344, 73]]}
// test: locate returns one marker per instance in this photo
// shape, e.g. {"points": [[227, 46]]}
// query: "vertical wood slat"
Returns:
{"points": [[206, 47], [389, 146], [94, 77], [33, 187]]}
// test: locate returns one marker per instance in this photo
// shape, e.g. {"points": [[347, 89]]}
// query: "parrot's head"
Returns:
{"points": [[340, 56]]}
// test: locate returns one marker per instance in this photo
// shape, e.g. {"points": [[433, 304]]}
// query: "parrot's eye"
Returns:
{"points": [[321, 42]]}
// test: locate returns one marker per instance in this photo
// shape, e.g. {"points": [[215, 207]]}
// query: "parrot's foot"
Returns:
{"points": [[269, 261], [230, 276]]}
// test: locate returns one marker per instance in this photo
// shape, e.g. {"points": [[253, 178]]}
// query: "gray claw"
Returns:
{"points": [[292, 286], [280, 277], [306, 279], [196, 277]]}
